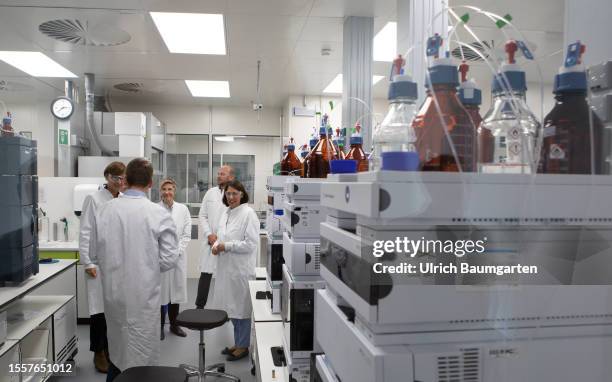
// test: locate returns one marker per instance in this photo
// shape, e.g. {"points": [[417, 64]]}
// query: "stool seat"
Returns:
{"points": [[201, 319], [152, 374]]}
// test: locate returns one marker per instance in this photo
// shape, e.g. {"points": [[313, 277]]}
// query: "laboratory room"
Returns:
{"points": [[305, 191]]}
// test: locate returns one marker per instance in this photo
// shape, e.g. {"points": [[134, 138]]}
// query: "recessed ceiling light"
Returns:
{"points": [[335, 86], [210, 89], [385, 43], [191, 33], [226, 138], [35, 64]]}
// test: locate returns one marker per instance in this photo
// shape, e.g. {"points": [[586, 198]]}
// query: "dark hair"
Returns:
{"points": [[139, 172], [114, 168], [237, 186]]}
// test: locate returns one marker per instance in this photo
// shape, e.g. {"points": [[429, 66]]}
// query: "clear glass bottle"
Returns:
{"points": [[509, 131], [566, 145], [395, 138]]}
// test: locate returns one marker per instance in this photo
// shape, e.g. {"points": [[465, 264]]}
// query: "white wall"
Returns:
{"points": [[36, 117], [55, 198], [193, 119], [300, 128]]}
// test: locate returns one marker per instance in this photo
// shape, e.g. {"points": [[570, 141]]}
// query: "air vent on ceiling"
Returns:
{"points": [[130, 87], [84, 33], [469, 53], [12, 86]]}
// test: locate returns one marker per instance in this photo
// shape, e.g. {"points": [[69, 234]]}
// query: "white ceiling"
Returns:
{"points": [[286, 35]]}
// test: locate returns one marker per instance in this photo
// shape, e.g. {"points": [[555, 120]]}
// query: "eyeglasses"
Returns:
{"points": [[232, 194], [117, 178]]}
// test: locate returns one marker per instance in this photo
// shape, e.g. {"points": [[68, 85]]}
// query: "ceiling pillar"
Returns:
{"points": [[357, 75]]}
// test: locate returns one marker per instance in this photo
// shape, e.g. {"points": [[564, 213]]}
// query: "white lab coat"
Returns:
{"points": [[239, 231], [210, 212], [136, 241], [86, 246], [174, 282]]}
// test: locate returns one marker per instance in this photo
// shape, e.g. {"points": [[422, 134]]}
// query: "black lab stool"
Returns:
{"points": [[202, 320], [152, 374]]}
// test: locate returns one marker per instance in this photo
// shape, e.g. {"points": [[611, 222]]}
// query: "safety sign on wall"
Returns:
{"points": [[62, 137]]}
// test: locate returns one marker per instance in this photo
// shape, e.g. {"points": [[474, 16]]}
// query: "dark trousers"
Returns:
{"points": [[113, 372], [97, 333], [203, 289], [173, 312]]}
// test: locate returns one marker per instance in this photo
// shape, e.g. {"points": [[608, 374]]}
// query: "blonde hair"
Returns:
{"points": [[166, 181]]}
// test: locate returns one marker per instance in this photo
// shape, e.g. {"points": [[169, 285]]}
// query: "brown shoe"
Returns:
{"points": [[238, 353], [101, 362]]}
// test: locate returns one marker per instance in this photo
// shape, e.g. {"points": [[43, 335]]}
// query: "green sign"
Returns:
{"points": [[63, 137]]}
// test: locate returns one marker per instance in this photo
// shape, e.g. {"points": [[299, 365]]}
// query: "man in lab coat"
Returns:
{"points": [[136, 241], [114, 174], [210, 212], [174, 282]]}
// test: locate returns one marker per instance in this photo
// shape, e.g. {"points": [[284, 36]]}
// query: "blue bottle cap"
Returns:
{"points": [[291, 147], [279, 212], [356, 140], [470, 96], [400, 161], [343, 166], [516, 82], [402, 87], [303, 154], [443, 71], [570, 82]]}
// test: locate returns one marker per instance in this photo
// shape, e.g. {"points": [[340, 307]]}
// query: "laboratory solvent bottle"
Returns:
{"points": [[509, 131], [312, 143], [356, 152], [435, 123], [566, 146], [339, 144], [318, 160], [394, 140], [291, 165], [470, 96]]}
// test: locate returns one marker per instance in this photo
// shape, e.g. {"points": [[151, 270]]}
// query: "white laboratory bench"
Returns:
{"points": [[41, 319], [261, 308], [58, 246], [266, 332], [268, 335]]}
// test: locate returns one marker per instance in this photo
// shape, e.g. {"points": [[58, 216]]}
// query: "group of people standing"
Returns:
{"points": [[134, 252]]}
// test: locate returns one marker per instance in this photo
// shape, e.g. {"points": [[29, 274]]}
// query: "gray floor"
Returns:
{"points": [[175, 350]]}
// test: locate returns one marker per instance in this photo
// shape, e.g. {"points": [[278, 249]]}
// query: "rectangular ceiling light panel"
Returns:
{"points": [[191, 33], [35, 64], [209, 89], [335, 86], [385, 43]]}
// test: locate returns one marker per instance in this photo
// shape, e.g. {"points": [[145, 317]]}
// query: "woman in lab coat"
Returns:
{"points": [[174, 282], [114, 174], [236, 247]]}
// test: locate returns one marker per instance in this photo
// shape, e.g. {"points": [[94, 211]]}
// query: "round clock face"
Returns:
{"points": [[62, 108]]}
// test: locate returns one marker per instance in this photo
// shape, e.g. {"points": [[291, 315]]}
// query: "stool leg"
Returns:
{"points": [[202, 352]]}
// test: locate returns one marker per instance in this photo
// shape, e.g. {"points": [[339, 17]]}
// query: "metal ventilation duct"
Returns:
{"points": [[84, 33]]}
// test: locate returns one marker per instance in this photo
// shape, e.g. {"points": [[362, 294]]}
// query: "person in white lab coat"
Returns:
{"points": [[114, 174], [236, 249], [135, 241], [210, 212], [174, 282]]}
